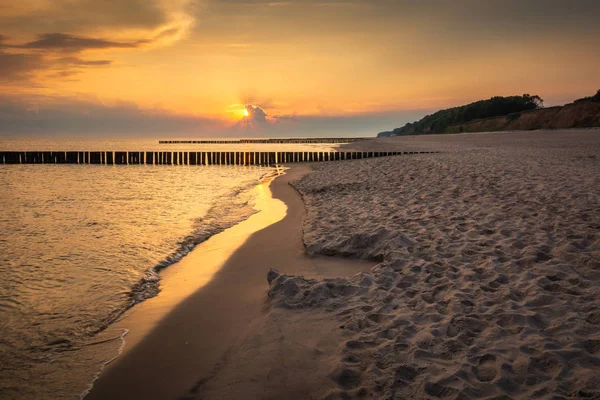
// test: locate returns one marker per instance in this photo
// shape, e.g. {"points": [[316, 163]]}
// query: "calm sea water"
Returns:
{"points": [[79, 244]]}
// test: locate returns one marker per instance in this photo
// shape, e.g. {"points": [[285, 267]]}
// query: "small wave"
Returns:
{"points": [[229, 211], [121, 337]]}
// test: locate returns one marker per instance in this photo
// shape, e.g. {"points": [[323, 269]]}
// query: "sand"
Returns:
{"points": [[488, 281], [482, 281], [211, 332]]}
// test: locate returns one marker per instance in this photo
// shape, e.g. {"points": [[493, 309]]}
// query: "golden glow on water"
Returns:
{"points": [[199, 267], [77, 244]]}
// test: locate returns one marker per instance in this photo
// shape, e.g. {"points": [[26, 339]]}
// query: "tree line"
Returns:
{"points": [[496, 106]]}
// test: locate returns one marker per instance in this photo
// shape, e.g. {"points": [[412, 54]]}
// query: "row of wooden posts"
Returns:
{"points": [[264, 141], [185, 157]]}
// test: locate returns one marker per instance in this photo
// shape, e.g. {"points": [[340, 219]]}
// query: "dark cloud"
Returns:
{"points": [[75, 61], [68, 73], [394, 21], [77, 117], [72, 43], [19, 66], [88, 16], [62, 116], [256, 113]]}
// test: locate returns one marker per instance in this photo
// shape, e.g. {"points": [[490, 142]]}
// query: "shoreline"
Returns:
{"points": [[168, 342], [487, 286]]}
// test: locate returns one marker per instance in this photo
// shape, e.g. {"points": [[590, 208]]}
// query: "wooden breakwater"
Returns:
{"points": [[187, 157], [265, 141]]}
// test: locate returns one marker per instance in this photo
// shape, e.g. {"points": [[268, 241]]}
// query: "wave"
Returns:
{"points": [[230, 210]]}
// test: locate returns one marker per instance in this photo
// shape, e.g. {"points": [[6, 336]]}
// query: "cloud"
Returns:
{"points": [[260, 123], [92, 17], [74, 61], [72, 43], [18, 67], [56, 116], [70, 116], [39, 37], [256, 113]]}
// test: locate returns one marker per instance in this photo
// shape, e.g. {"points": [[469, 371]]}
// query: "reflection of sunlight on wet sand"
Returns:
{"points": [[198, 268]]}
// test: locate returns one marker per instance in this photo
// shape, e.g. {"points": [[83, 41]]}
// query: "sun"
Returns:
{"points": [[245, 113]]}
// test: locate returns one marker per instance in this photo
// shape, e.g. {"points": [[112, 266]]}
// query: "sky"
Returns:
{"points": [[245, 68]]}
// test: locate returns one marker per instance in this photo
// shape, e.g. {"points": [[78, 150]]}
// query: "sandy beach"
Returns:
{"points": [[471, 273], [489, 280], [212, 333]]}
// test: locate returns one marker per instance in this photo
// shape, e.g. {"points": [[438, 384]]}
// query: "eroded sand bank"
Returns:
{"points": [[489, 285]]}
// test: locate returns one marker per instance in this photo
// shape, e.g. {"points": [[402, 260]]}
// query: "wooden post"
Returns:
{"points": [[46, 155], [110, 159], [120, 157], [71, 157], [95, 157], [11, 157]]}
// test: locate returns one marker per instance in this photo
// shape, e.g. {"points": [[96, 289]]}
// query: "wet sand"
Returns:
{"points": [[211, 329]]}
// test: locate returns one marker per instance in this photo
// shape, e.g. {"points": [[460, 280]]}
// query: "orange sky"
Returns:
{"points": [[321, 62]]}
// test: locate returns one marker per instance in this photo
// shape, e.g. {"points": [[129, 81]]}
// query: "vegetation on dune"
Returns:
{"points": [[594, 99], [494, 107]]}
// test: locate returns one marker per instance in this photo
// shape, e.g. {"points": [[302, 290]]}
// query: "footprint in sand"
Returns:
{"points": [[487, 369]]}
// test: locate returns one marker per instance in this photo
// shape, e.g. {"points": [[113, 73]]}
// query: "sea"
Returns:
{"points": [[81, 244]]}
